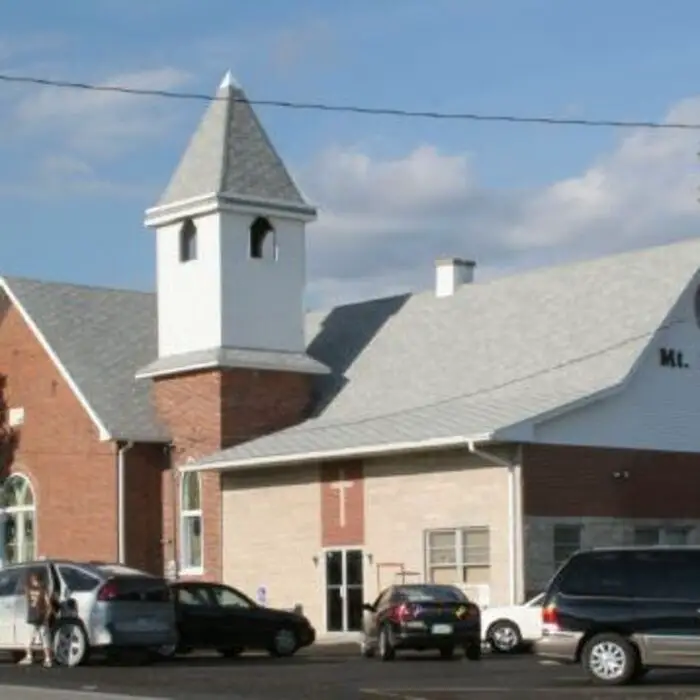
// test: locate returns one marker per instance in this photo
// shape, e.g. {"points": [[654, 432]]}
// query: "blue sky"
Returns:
{"points": [[77, 170]]}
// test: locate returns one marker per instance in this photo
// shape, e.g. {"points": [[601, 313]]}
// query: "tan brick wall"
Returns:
{"points": [[72, 472], [272, 534], [407, 495]]}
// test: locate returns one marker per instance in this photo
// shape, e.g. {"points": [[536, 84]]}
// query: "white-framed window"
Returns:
{"points": [[566, 541], [17, 520], [191, 523], [461, 555], [646, 536]]}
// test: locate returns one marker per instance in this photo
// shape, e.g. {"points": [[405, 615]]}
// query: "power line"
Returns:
{"points": [[355, 109]]}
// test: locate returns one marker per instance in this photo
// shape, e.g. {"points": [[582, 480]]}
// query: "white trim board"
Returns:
{"points": [[103, 433]]}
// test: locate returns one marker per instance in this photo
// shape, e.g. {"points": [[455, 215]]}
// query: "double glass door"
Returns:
{"points": [[344, 590]]}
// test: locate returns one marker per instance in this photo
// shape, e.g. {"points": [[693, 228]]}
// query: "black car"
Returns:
{"points": [[420, 617], [214, 616], [620, 612]]}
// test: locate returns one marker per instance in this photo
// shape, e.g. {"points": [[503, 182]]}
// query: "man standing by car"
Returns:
{"points": [[39, 613]]}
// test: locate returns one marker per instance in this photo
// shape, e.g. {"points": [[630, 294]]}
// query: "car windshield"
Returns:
{"points": [[432, 594]]}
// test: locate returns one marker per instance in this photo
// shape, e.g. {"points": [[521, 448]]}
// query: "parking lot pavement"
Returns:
{"points": [[322, 674]]}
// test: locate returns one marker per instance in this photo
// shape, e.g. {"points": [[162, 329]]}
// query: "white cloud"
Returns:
{"points": [[383, 222], [100, 123]]}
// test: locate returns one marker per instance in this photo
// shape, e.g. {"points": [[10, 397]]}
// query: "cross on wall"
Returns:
{"points": [[341, 487]]}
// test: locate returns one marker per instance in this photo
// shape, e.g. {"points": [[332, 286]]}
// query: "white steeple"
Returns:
{"points": [[231, 249], [229, 82]]}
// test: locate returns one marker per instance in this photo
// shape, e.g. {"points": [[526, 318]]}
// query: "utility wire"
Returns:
{"points": [[354, 109]]}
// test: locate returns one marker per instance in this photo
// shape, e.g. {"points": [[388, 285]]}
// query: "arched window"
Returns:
{"points": [[17, 518], [263, 241], [190, 522], [188, 241]]}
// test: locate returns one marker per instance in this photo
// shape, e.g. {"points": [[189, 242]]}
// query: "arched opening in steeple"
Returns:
{"points": [[188, 241], [263, 240]]}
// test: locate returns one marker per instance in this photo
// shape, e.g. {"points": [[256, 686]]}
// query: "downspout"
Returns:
{"points": [[121, 500], [513, 525]]}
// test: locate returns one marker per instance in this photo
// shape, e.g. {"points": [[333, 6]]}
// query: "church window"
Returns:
{"points": [[263, 241], [191, 523], [17, 520], [188, 241]]}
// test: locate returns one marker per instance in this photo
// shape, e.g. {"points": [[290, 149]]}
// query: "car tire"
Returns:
{"points": [[70, 643], [387, 651], [472, 652], [367, 651], [285, 642], [504, 637], [610, 659], [231, 652], [447, 653]]}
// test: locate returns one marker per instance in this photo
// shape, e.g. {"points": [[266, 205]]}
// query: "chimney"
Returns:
{"points": [[451, 274]]}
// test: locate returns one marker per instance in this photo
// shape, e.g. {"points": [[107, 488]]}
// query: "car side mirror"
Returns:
{"points": [[368, 607]]}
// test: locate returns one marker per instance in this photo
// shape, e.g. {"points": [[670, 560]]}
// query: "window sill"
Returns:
{"points": [[191, 571]]}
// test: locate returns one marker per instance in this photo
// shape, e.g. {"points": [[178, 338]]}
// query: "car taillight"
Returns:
{"points": [[108, 591], [401, 613], [550, 619]]}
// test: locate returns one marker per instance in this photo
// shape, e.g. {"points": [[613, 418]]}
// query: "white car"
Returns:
{"points": [[104, 608], [507, 629]]}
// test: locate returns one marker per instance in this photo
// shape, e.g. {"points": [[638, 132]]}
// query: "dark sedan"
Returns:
{"points": [[421, 617], [214, 616]]}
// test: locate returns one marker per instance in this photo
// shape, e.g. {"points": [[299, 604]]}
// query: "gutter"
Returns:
{"points": [[513, 512], [121, 500], [342, 453]]}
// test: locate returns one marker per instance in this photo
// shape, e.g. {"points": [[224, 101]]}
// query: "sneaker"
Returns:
{"points": [[48, 663], [27, 660]]}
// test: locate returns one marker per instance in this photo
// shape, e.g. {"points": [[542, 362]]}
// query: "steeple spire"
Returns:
{"points": [[229, 82], [230, 156]]}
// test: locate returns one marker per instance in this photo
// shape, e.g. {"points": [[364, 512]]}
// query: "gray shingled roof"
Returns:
{"points": [[404, 368], [230, 154], [101, 336], [492, 356]]}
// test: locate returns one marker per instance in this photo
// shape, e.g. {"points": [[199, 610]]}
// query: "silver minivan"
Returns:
{"points": [[103, 607]]}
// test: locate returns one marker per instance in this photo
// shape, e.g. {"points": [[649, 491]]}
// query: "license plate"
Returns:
{"points": [[142, 624], [442, 629]]}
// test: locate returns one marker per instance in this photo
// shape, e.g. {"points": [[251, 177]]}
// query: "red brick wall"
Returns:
{"points": [[144, 468], [214, 409], [562, 481], [334, 531], [72, 472]]}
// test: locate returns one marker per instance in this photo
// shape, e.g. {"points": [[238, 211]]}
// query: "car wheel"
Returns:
{"points": [[447, 652], [284, 643], [504, 637], [387, 652], [165, 653], [366, 649], [472, 652], [231, 652], [609, 659], [70, 643]]}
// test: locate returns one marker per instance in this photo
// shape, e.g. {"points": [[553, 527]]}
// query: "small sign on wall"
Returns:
{"points": [[261, 595], [15, 417]]}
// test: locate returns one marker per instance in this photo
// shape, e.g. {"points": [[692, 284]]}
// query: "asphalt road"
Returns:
{"points": [[325, 674]]}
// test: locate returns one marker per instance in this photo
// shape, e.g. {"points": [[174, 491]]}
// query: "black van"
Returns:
{"points": [[620, 612]]}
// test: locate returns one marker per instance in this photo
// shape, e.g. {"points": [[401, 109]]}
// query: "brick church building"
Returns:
{"points": [[475, 433]]}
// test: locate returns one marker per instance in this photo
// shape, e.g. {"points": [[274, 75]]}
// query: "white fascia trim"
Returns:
{"points": [[342, 453], [210, 364], [164, 209], [102, 431]]}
